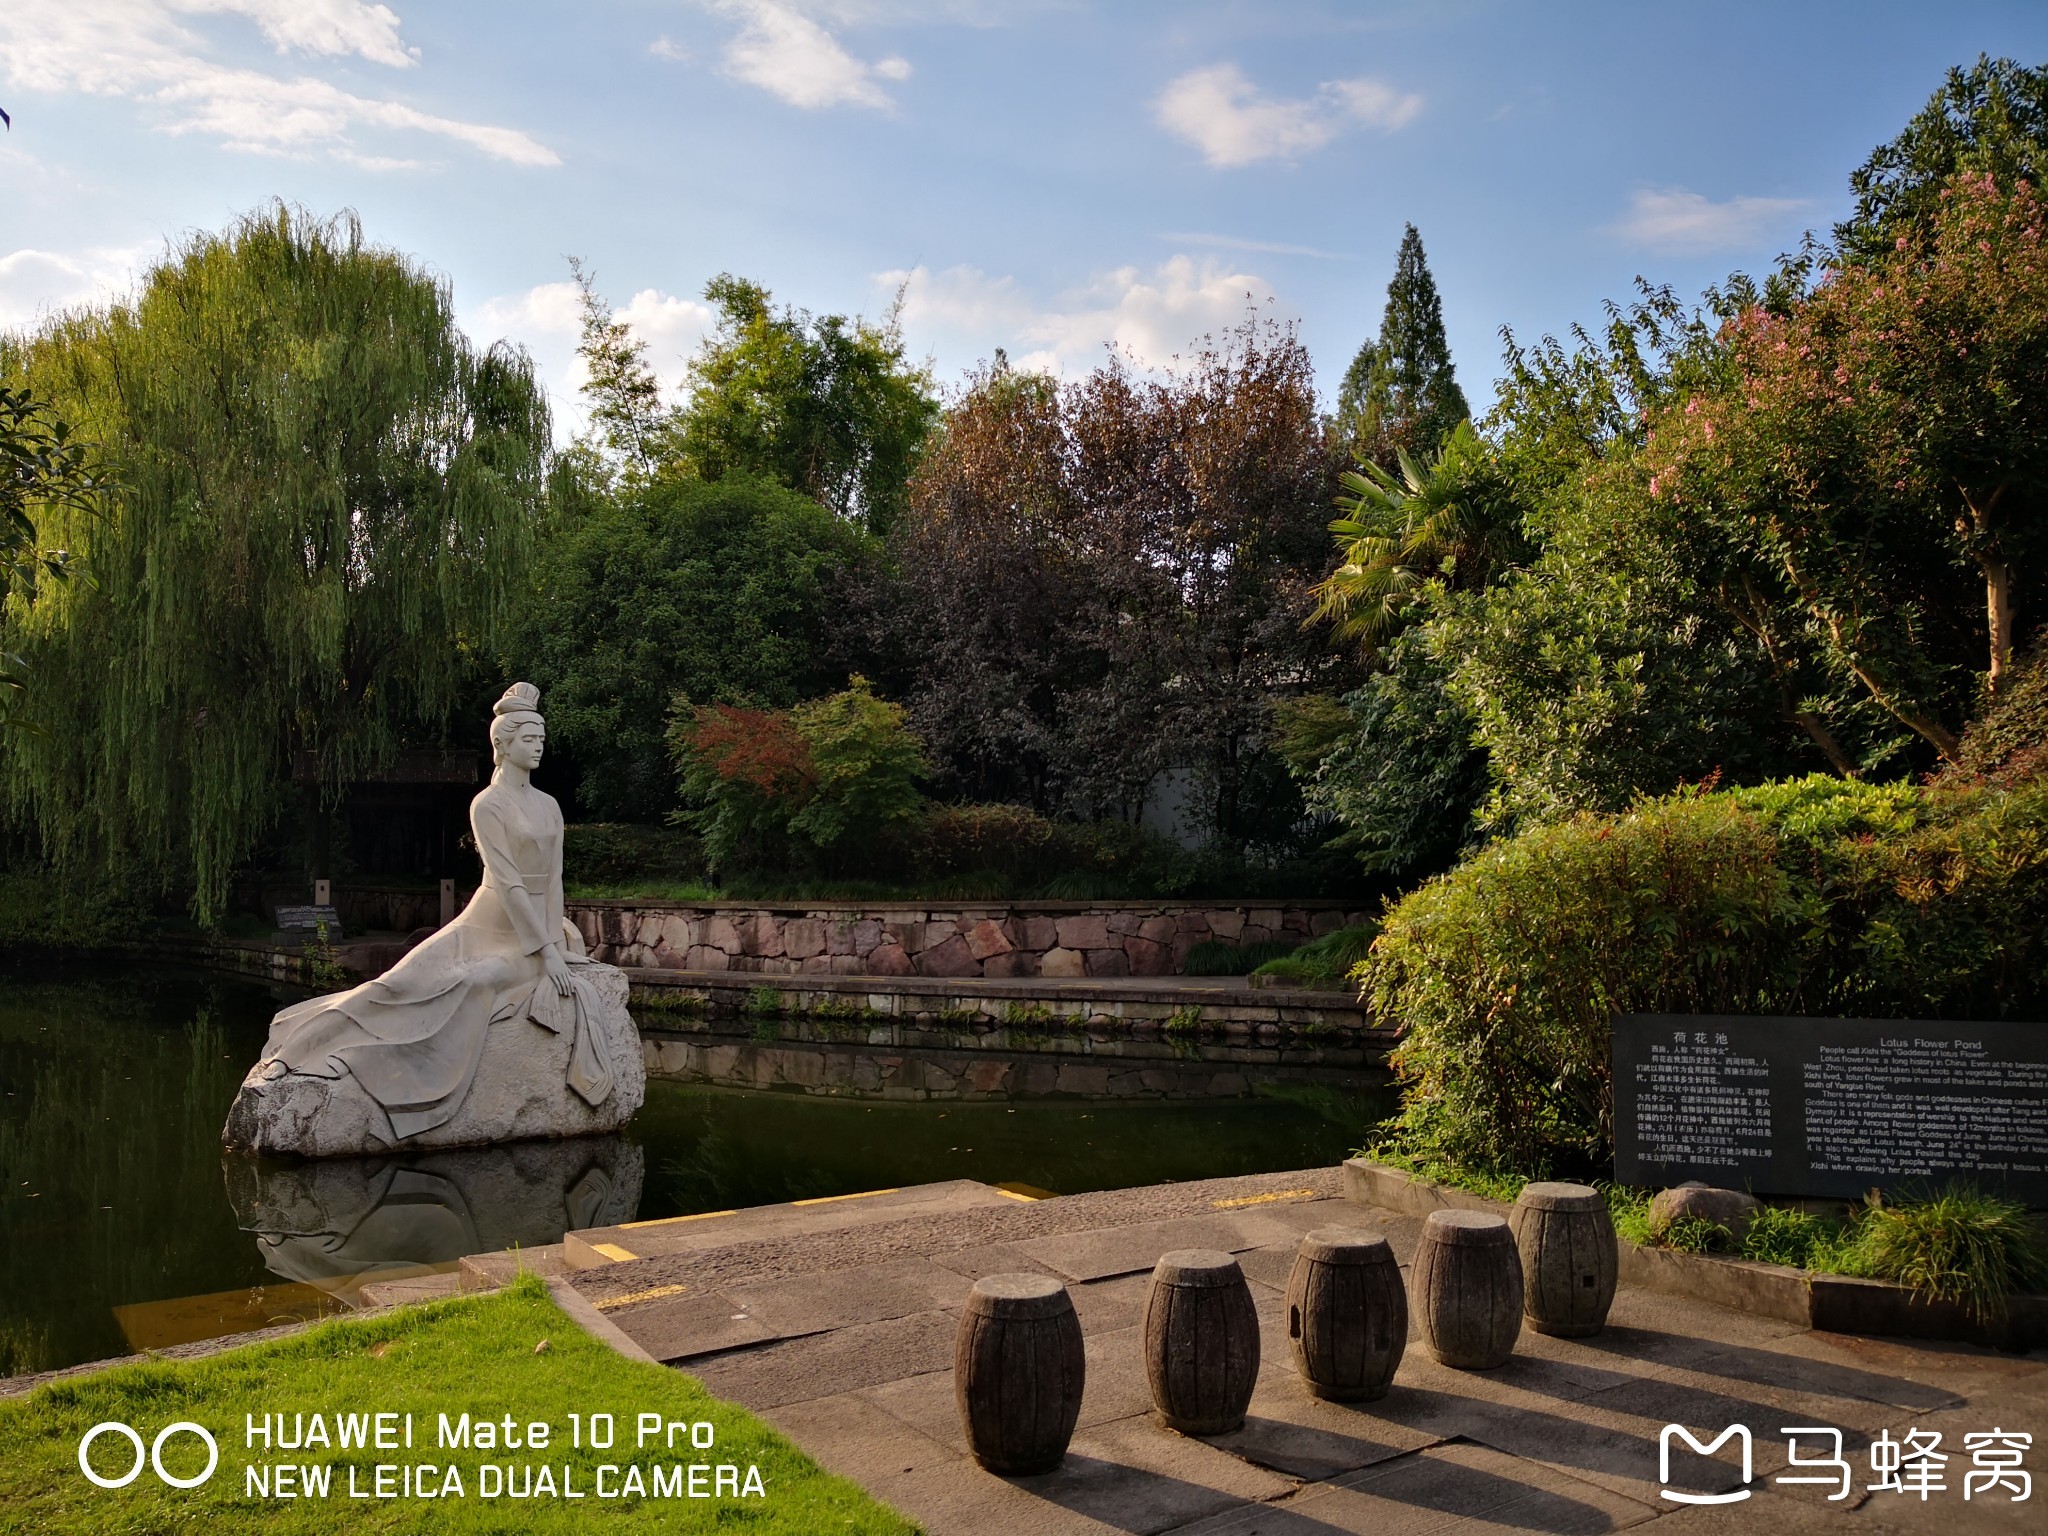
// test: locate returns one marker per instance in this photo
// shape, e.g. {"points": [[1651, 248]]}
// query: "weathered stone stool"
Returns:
{"points": [[1570, 1259], [1347, 1314], [1017, 1372], [1468, 1288], [1201, 1341]]}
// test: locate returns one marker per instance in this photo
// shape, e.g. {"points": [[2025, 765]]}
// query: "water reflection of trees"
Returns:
{"points": [[115, 1089]]}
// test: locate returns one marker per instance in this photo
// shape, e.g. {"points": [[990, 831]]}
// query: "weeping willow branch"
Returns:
{"points": [[327, 500]]}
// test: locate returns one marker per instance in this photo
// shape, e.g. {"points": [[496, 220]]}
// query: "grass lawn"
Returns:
{"points": [[474, 1356]]}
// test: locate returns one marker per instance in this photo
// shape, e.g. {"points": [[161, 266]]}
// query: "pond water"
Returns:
{"points": [[124, 1226]]}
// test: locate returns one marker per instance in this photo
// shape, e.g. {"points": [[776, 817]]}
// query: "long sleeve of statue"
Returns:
{"points": [[524, 890]]}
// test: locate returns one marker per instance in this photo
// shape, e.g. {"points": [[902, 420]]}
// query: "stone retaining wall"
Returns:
{"points": [[1026, 938]]}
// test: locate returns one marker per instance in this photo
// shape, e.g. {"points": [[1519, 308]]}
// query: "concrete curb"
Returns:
{"points": [[595, 1323], [1833, 1303]]}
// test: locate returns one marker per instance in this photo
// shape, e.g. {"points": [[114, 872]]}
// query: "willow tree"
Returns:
{"points": [[327, 497]]}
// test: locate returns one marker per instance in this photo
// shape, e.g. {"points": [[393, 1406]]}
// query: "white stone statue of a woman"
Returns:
{"points": [[498, 1027]]}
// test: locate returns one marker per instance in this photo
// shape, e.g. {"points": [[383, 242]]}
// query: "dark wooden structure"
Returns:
{"points": [[1018, 1372], [1468, 1289], [1201, 1341], [1347, 1314], [1570, 1259]]}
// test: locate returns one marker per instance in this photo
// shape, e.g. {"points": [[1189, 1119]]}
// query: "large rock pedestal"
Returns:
{"points": [[520, 1092]]}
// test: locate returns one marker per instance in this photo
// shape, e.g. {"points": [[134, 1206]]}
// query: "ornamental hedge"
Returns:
{"points": [[1816, 896]]}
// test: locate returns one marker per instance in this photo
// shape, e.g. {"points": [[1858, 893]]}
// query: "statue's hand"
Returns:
{"points": [[556, 967]]}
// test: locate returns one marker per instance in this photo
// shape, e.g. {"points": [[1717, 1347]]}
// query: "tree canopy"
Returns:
{"points": [[1989, 119], [723, 592], [327, 499]]}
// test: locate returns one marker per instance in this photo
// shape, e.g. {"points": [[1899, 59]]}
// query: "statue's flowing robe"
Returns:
{"points": [[412, 1038]]}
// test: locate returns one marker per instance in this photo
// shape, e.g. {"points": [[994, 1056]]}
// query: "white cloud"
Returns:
{"points": [[1673, 219], [1221, 113], [791, 56], [136, 49], [34, 285], [1152, 316], [318, 26], [547, 321], [668, 48]]}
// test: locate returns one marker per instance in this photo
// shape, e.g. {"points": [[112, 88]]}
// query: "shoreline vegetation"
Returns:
{"points": [[1953, 1244]]}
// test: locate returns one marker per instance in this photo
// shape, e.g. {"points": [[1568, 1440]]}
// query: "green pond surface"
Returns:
{"points": [[123, 1225]]}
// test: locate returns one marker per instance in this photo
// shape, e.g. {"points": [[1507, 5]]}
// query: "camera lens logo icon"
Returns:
{"points": [[154, 1455]]}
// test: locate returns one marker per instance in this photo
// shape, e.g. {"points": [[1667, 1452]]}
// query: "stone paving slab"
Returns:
{"points": [[1135, 1249], [844, 1360], [873, 1293], [602, 1247], [1466, 1488], [1562, 1439]]}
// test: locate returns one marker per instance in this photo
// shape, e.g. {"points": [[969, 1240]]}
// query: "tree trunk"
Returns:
{"points": [[1998, 613]]}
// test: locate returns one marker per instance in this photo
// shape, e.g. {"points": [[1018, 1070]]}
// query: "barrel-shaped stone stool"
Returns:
{"points": [[1017, 1372], [1347, 1314], [1569, 1258], [1468, 1289], [1201, 1341]]}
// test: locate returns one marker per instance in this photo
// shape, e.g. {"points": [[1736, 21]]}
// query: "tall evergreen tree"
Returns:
{"points": [[1401, 391]]}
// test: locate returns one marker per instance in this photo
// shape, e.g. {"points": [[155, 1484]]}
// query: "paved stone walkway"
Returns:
{"points": [[843, 1337]]}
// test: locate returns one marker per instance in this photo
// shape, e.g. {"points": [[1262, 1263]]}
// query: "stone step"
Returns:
{"points": [[489, 1271], [599, 1246]]}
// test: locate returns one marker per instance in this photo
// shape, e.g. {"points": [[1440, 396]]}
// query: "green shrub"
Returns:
{"points": [[1958, 1246], [1786, 1235], [1220, 957], [619, 854], [1814, 896], [1323, 961]]}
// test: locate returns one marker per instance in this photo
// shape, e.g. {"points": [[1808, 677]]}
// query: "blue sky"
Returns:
{"points": [[1048, 176]]}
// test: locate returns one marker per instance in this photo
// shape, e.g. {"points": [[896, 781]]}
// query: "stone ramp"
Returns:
{"points": [[670, 1236], [843, 1338]]}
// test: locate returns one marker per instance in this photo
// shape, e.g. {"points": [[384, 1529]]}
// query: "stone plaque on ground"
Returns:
{"points": [[1792, 1106], [309, 920]]}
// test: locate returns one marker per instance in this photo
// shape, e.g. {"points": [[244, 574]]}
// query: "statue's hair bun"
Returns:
{"points": [[520, 698]]}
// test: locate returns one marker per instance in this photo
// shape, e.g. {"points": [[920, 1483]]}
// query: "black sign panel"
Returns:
{"points": [[1831, 1106]]}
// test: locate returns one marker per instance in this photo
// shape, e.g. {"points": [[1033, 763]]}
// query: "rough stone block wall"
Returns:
{"points": [[1057, 939]]}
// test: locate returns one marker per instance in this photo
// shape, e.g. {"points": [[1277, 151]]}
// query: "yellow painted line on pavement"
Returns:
{"points": [[1279, 1194], [1017, 1191], [614, 1252], [669, 1221], [828, 1199], [633, 1297]]}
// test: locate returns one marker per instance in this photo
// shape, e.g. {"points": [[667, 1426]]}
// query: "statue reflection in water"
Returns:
{"points": [[336, 1221]]}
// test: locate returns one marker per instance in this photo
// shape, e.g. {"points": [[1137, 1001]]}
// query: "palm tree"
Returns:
{"points": [[1448, 521]]}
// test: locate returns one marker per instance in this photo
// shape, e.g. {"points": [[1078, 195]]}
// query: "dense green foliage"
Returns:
{"points": [[1814, 897], [1099, 588], [828, 781], [40, 462], [328, 501], [1989, 118], [1401, 394], [721, 592]]}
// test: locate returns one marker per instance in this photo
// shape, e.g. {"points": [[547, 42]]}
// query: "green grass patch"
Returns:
{"points": [[643, 890], [1220, 957], [477, 1356], [1326, 961]]}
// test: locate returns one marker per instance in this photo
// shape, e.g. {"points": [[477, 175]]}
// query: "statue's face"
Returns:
{"points": [[526, 746]]}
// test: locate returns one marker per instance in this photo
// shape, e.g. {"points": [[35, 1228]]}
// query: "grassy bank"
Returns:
{"points": [[514, 1354]]}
